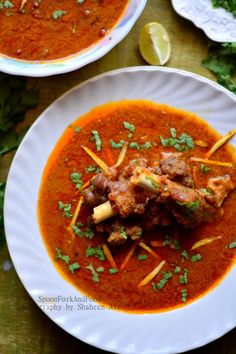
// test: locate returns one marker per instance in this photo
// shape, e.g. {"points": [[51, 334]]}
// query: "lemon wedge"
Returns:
{"points": [[154, 44]]}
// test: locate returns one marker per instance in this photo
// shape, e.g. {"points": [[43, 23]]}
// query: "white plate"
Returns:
{"points": [[16, 66], [169, 332], [218, 24]]}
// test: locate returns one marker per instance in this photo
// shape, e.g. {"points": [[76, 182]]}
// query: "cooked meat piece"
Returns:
{"points": [[117, 234], [122, 194], [101, 182], [175, 167], [186, 204], [127, 171], [156, 214], [111, 172], [219, 188], [92, 197], [134, 232]]}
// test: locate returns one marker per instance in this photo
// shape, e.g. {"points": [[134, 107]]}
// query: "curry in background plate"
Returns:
{"points": [[137, 206], [45, 30]]}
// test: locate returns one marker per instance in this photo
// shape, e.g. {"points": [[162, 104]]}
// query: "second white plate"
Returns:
{"points": [[218, 24]]}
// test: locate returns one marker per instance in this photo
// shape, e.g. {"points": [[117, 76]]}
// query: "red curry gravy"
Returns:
{"points": [[45, 30], [119, 288]]}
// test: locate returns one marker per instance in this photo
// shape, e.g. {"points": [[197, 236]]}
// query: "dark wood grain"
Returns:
{"points": [[24, 329]]}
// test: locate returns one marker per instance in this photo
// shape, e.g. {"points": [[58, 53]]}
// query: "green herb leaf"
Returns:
{"points": [[66, 209], [100, 269], [59, 255], [183, 279], [134, 145], [95, 275], [92, 169], [228, 5], [97, 139], [221, 62], [76, 179], [184, 295], [58, 14], [177, 269], [204, 169], [115, 145], [185, 255], [77, 129], [182, 143], [142, 257], [6, 4], [196, 257], [97, 252], [129, 126], [89, 233], [74, 266], [77, 231], [154, 184], [113, 270], [232, 245], [166, 277]]}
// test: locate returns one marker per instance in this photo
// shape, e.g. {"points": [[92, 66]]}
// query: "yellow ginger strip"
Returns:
{"points": [[151, 275], [205, 241], [220, 143]]}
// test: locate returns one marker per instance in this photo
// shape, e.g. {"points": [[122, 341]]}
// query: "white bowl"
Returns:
{"points": [[174, 331], [16, 66]]}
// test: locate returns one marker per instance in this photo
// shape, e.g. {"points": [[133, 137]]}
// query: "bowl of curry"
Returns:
{"points": [[128, 220], [41, 38]]}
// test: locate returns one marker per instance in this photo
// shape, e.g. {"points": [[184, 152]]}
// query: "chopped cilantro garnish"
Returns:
{"points": [[130, 135], [184, 254], [232, 245], [58, 14], [97, 139], [66, 209], [182, 143], [77, 231], [204, 169], [154, 184], [196, 257], [100, 269], [77, 129], [95, 251], [166, 277], [177, 269], [190, 207], [89, 233], [115, 145], [92, 169], [123, 233], [134, 145], [74, 266], [129, 126], [184, 295], [183, 279], [59, 255], [95, 276], [76, 179], [6, 4], [142, 257], [113, 270], [206, 191], [147, 145]]}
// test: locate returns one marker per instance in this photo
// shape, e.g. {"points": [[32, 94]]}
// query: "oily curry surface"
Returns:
{"points": [[78, 255], [45, 30]]}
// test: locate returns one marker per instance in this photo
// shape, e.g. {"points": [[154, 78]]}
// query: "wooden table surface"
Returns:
{"points": [[24, 329]]}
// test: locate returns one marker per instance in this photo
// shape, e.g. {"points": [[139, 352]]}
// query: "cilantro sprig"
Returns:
{"points": [[182, 143]]}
